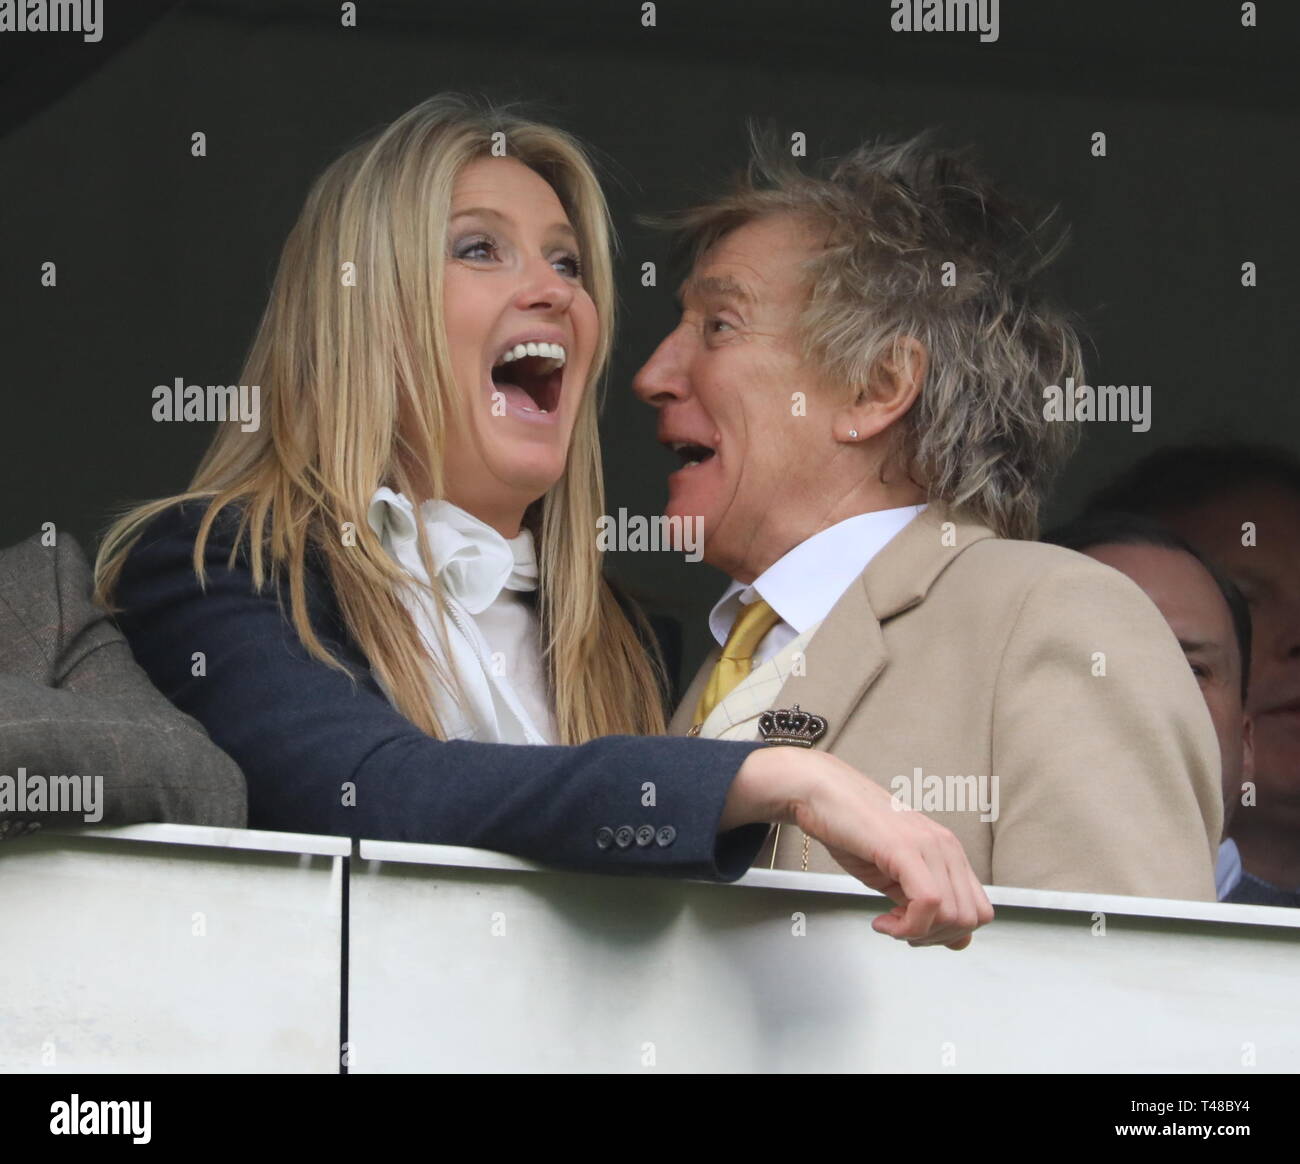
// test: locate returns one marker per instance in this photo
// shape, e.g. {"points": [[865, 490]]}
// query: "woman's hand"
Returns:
{"points": [[901, 853]]}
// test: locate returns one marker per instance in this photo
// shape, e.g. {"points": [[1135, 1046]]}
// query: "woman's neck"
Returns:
{"points": [[507, 520], [503, 515]]}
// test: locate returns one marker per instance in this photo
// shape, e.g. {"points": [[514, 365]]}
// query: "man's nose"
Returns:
{"points": [[663, 377]]}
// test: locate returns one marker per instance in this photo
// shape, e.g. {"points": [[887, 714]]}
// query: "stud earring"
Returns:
{"points": [[853, 434]]}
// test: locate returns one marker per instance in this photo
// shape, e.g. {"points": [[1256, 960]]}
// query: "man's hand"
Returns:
{"points": [[902, 854]]}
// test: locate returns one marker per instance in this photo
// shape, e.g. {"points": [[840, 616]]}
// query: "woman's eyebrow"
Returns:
{"points": [[487, 212], [481, 212]]}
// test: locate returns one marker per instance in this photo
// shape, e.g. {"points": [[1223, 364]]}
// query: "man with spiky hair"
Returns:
{"points": [[856, 390]]}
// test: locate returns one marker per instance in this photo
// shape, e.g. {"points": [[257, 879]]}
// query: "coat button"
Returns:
{"points": [[665, 836], [644, 835], [604, 837], [624, 836]]}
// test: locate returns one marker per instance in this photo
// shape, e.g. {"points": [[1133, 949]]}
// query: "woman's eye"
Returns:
{"points": [[477, 249], [569, 265]]}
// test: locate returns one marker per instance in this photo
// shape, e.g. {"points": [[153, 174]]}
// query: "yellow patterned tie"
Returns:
{"points": [[737, 659]]}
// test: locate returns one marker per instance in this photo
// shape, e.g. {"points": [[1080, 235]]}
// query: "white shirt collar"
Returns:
{"points": [[1227, 870], [475, 565], [803, 585]]}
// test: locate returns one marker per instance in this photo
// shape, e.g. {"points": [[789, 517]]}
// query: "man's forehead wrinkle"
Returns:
{"points": [[703, 286]]}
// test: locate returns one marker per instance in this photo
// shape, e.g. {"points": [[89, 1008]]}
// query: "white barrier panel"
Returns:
{"points": [[170, 948], [469, 961]]}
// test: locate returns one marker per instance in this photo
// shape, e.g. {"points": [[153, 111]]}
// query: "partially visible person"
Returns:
{"points": [[1239, 505], [855, 390], [1210, 618], [79, 719], [396, 578]]}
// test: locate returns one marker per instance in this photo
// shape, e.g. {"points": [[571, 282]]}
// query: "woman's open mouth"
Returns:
{"points": [[530, 377], [692, 454]]}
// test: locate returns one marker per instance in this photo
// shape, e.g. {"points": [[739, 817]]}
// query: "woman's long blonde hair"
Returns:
{"points": [[338, 365]]}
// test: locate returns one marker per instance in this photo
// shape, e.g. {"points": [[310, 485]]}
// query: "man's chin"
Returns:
{"points": [[687, 510]]}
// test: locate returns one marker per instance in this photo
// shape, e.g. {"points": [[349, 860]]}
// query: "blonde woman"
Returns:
{"points": [[386, 602]]}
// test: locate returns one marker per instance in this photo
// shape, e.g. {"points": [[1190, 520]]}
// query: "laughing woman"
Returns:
{"points": [[372, 600]]}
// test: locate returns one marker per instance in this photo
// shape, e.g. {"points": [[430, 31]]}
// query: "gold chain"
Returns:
{"points": [[776, 840]]}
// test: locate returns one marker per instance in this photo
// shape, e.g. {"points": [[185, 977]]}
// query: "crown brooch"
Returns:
{"points": [[800, 728]]}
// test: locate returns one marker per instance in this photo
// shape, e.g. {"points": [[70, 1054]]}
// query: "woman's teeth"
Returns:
{"points": [[553, 352], [529, 375]]}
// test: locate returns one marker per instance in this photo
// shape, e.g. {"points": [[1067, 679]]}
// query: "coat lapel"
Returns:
{"points": [[847, 655]]}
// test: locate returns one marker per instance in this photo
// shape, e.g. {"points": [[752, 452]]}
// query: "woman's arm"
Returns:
{"points": [[325, 752]]}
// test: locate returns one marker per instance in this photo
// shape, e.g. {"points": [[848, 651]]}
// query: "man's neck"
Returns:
{"points": [[763, 552]]}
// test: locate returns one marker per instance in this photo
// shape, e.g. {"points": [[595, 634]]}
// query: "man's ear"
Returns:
{"points": [[891, 390]]}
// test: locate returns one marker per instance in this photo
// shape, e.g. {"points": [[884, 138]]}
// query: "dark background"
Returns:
{"points": [[164, 260]]}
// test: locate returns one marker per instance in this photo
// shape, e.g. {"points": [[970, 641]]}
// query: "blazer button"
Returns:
{"points": [[644, 835], [604, 837], [665, 836], [624, 836]]}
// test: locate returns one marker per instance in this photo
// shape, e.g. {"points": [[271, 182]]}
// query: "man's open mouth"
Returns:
{"points": [[531, 375]]}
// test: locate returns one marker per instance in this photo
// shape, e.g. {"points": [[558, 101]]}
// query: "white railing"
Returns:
{"points": [[169, 948]]}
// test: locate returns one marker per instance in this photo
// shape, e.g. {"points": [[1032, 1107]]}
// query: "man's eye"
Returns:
{"points": [[713, 326]]}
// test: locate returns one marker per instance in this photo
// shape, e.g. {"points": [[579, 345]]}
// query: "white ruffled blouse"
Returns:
{"points": [[492, 631]]}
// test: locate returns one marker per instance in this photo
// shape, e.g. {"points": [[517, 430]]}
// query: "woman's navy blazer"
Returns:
{"points": [[323, 751]]}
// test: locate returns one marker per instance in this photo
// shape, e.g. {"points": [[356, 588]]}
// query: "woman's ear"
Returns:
{"points": [[892, 388]]}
